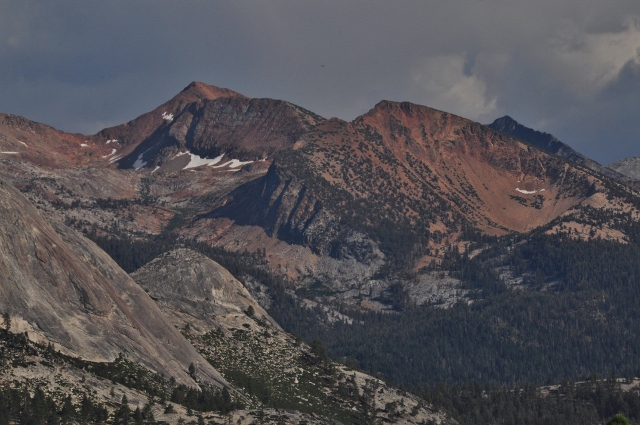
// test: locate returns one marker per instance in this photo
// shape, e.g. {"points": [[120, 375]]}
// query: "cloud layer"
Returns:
{"points": [[571, 68]]}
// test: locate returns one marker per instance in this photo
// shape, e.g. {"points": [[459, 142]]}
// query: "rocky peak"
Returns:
{"points": [[505, 124], [402, 110], [199, 90]]}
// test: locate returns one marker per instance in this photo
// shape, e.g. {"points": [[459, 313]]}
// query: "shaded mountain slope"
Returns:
{"points": [[550, 143], [60, 287]]}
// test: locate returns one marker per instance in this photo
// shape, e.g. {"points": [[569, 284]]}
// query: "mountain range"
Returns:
{"points": [[321, 227]]}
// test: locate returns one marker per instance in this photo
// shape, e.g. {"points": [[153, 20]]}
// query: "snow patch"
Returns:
{"points": [[198, 161], [10, 153], [234, 163], [155, 169], [112, 153], [84, 145], [115, 158], [139, 162], [112, 140], [168, 117], [23, 143], [528, 192]]}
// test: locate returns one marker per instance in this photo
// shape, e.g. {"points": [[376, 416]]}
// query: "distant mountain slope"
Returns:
{"points": [[551, 144], [200, 123], [629, 167], [60, 287], [44, 146]]}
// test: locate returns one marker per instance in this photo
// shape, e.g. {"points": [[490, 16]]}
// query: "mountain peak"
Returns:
{"points": [[629, 167], [406, 109], [539, 139], [503, 123], [200, 90]]}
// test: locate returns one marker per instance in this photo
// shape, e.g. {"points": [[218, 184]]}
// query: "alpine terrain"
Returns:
{"points": [[228, 259]]}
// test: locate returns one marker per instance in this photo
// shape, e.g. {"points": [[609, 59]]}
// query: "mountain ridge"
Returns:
{"points": [[551, 144]]}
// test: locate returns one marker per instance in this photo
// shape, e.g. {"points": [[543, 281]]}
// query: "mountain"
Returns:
{"points": [[69, 310], [199, 124], [61, 288], [629, 167], [397, 187], [207, 122], [408, 233], [336, 202], [550, 143]]}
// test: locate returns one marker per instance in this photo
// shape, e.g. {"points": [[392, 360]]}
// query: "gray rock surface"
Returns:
{"points": [[629, 167], [62, 288], [188, 284]]}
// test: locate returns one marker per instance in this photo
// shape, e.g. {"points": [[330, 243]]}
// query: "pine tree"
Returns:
{"points": [[7, 320], [618, 420], [122, 415]]}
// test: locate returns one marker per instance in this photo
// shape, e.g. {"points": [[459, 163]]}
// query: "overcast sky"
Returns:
{"points": [[571, 68]]}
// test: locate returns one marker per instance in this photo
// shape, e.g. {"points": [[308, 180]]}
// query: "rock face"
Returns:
{"points": [[629, 167], [188, 284], [62, 288], [551, 144]]}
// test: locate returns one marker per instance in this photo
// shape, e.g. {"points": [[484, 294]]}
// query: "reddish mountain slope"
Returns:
{"points": [[399, 177], [44, 146], [411, 178]]}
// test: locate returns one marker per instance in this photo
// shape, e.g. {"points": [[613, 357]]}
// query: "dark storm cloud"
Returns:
{"points": [[569, 68]]}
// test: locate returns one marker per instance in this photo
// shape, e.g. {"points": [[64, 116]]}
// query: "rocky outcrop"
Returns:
{"points": [[629, 167], [61, 288], [284, 207], [188, 284]]}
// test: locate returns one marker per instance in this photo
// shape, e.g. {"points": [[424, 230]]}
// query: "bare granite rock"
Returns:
{"points": [[188, 284], [62, 288]]}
